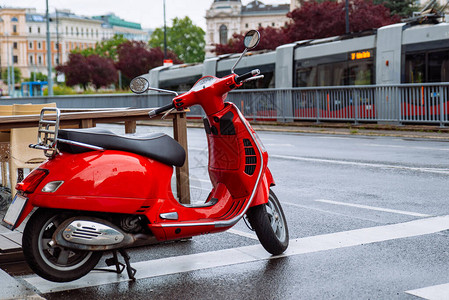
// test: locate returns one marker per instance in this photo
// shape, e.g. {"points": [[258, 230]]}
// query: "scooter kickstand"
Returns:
{"points": [[130, 270], [113, 261]]}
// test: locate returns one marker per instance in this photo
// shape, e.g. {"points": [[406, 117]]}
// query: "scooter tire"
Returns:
{"points": [[56, 264], [268, 220]]}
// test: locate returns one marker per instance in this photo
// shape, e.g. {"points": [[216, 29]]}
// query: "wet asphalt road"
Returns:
{"points": [[385, 181]]}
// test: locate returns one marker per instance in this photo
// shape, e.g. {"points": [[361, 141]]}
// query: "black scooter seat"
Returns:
{"points": [[157, 146]]}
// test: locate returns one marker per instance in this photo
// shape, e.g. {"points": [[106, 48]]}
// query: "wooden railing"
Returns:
{"points": [[86, 119]]}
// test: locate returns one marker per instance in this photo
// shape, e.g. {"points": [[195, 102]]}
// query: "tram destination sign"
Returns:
{"points": [[361, 55]]}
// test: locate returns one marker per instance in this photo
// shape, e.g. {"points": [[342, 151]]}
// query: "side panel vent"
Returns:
{"points": [[250, 157]]}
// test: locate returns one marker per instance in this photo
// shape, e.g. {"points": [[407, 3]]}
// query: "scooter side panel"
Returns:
{"points": [[109, 181]]}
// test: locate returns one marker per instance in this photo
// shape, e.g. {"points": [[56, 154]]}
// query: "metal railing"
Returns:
{"points": [[401, 103]]}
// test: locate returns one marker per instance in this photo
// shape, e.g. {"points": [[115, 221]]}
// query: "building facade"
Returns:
{"points": [[23, 34], [226, 17]]}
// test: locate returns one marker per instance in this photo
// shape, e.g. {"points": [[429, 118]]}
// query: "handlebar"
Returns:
{"points": [[245, 76], [161, 109]]}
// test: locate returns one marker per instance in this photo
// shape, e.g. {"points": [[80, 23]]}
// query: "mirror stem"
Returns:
{"points": [[238, 60]]}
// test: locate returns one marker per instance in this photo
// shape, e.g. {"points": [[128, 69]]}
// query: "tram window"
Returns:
{"points": [[359, 73], [336, 74], [438, 63], [415, 68], [325, 75], [306, 77]]}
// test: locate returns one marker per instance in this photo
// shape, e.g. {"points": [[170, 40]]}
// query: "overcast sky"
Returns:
{"points": [[149, 13]]}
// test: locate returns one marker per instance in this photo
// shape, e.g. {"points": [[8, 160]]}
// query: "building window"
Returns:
{"points": [[96, 32], [31, 59], [14, 45], [71, 30], [39, 45], [30, 45], [38, 30], [30, 30], [272, 24], [77, 31], [39, 59], [15, 59], [14, 28], [82, 32], [66, 30], [223, 34], [14, 19], [246, 25]]}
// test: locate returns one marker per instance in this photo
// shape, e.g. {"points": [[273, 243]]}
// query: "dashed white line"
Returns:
{"points": [[432, 292], [402, 212], [248, 254]]}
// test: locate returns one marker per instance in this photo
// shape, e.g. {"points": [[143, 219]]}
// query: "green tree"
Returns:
{"points": [[403, 8], [184, 38], [107, 48], [17, 75], [39, 76]]}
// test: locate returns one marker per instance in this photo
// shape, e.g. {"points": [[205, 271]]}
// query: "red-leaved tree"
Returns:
{"points": [[134, 58], [314, 20], [319, 20], [76, 70], [102, 71], [270, 38]]}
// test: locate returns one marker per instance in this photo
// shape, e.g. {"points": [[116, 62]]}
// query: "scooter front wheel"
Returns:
{"points": [[268, 220], [54, 263]]}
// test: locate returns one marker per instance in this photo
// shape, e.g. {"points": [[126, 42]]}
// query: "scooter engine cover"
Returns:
{"points": [[91, 233]]}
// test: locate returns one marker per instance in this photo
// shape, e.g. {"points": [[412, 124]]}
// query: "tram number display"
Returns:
{"points": [[361, 55]]}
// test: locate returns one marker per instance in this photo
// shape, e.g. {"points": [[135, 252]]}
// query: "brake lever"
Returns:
{"points": [[253, 78]]}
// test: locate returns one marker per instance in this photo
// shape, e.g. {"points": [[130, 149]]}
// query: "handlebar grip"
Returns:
{"points": [[245, 76], [161, 109]]}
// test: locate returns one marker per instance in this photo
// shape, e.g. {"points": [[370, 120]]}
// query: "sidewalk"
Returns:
{"points": [[434, 132], [12, 289]]}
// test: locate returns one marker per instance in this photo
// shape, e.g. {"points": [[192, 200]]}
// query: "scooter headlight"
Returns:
{"points": [[51, 187]]}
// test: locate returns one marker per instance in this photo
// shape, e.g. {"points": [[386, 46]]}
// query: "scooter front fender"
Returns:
{"points": [[263, 191]]}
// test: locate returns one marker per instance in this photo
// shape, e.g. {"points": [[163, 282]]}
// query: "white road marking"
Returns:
{"points": [[327, 211], [432, 292], [406, 146], [402, 212], [242, 233], [280, 145], [354, 163], [248, 254]]}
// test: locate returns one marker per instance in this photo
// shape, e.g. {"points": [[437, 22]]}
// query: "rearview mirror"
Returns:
{"points": [[251, 39], [139, 85]]}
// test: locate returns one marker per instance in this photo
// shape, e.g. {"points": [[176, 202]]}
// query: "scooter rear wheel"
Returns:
{"points": [[268, 220], [56, 263]]}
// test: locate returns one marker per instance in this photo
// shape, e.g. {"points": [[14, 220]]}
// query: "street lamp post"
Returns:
{"points": [[165, 35], [347, 15], [50, 79]]}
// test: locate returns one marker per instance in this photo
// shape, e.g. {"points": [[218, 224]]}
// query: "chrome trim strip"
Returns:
{"points": [[234, 220], [81, 144]]}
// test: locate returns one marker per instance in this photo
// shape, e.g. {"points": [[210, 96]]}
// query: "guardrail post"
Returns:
{"points": [[182, 173], [317, 105], [440, 95], [355, 102]]}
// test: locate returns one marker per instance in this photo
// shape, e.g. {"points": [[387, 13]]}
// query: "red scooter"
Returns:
{"points": [[105, 192]]}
